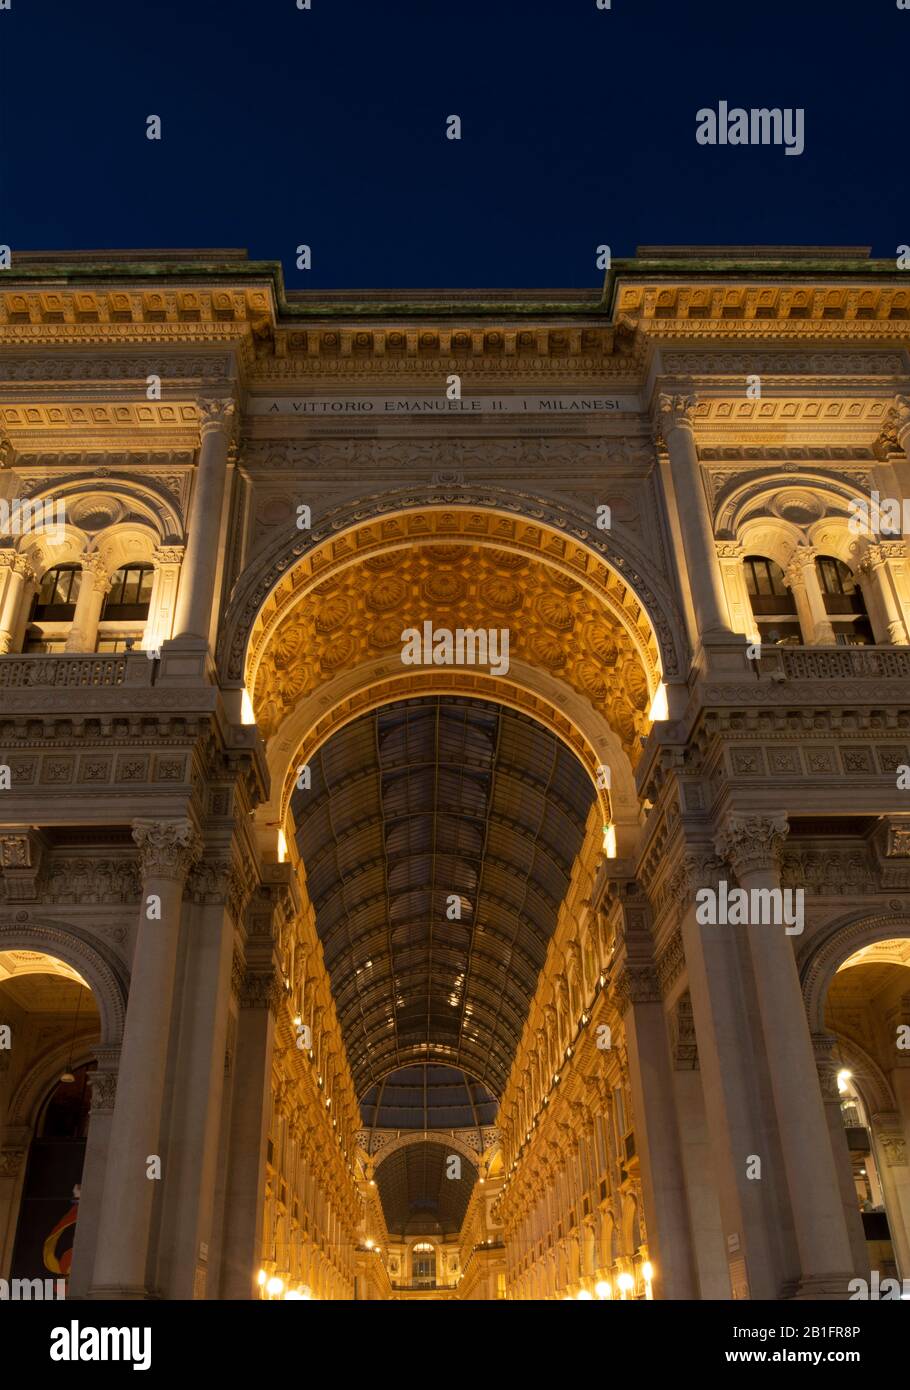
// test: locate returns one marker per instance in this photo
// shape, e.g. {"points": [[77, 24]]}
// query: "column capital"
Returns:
{"points": [[216, 413], [674, 410], [826, 1064], [168, 554], [262, 989], [634, 983], [167, 849], [95, 571], [699, 867], [902, 420], [749, 843], [18, 562], [7, 450], [802, 559]]}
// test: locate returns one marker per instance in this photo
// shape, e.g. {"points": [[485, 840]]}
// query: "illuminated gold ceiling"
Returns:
{"points": [[359, 613], [40, 983]]}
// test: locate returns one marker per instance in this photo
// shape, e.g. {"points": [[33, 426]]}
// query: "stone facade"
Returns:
{"points": [[288, 481]]}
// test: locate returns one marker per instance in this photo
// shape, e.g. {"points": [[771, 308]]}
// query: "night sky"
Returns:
{"points": [[327, 126]]}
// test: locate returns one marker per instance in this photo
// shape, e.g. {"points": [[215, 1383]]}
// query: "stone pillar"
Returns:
{"points": [[802, 576], [823, 1045], [95, 583], [14, 1144], [893, 1162], [875, 566], [197, 1110], [730, 555], [260, 995], [85, 1242], [725, 1033], [18, 573], [675, 418], [163, 600], [752, 846], [196, 594], [167, 850], [637, 998], [708, 1246]]}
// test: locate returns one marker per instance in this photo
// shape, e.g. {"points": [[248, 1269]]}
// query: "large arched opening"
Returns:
{"points": [[856, 982], [435, 811]]}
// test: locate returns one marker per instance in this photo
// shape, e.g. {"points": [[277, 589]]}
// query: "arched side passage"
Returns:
{"points": [[100, 969], [825, 952]]}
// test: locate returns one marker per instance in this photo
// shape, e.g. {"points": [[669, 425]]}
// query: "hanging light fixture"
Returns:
{"points": [[67, 1075]]}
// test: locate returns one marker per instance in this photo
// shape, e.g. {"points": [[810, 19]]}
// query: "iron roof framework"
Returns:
{"points": [[438, 837], [418, 1196], [428, 1097]]}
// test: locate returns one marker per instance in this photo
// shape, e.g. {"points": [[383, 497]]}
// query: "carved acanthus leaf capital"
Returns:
{"points": [[749, 843], [826, 1064], [802, 559], [17, 562], [699, 867], [216, 413], [168, 555], [11, 1160], [674, 411], [634, 984], [167, 849], [94, 572], [902, 419], [262, 989]]}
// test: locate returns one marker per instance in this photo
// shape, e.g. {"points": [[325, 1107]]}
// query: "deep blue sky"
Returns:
{"points": [[327, 126]]}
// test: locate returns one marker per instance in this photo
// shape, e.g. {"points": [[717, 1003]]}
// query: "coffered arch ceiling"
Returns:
{"points": [[437, 838], [552, 620], [605, 564]]}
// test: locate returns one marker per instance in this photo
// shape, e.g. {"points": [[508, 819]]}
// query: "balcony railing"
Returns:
{"points": [[76, 671], [825, 663], [61, 670]]}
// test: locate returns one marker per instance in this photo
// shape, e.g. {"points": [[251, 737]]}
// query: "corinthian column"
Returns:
{"points": [[752, 845], [876, 565], [167, 849], [18, 572], [637, 998], [675, 416], [95, 583], [802, 576], [197, 580]]}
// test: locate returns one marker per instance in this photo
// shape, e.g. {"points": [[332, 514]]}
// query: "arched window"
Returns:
{"points": [[773, 604], [128, 598], [423, 1265], [844, 603], [55, 601]]}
